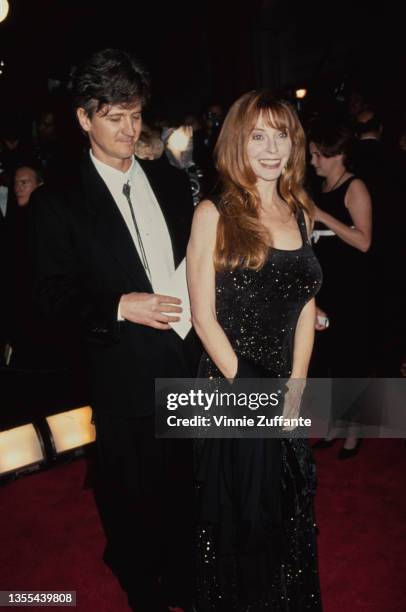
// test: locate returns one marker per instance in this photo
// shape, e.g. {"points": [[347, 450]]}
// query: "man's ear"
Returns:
{"points": [[83, 119]]}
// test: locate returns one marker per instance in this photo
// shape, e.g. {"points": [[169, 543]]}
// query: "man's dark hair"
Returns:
{"points": [[108, 77]]}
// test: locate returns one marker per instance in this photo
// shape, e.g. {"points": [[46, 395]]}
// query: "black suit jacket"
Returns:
{"points": [[85, 261], [7, 240]]}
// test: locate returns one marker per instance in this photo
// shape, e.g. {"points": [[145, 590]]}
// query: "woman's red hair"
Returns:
{"points": [[241, 239]]}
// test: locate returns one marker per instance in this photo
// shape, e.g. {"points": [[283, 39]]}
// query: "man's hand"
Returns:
{"points": [[149, 308]]}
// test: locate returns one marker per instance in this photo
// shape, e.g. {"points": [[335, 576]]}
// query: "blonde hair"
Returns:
{"points": [[241, 239]]}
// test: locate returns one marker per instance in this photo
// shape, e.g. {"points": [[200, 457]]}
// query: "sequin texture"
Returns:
{"points": [[259, 313]]}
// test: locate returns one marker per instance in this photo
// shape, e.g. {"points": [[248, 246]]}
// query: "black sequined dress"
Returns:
{"points": [[256, 536]]}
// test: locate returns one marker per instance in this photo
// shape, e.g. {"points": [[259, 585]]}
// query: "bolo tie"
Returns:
{"points": [[126, 193]]}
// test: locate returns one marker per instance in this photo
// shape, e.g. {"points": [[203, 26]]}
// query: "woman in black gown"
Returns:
{"points": [[252, 278], [342, 238]]}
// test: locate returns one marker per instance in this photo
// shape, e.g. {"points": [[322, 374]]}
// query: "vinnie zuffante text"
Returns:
{"points": [[208, 401]]}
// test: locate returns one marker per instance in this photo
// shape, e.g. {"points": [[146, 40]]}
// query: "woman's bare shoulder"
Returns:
{"points": [[207, 210], [357, 185], [206, 216], [357, 192]]}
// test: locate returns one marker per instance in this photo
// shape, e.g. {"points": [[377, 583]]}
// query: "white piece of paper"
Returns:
{"points": [[176, 286]]}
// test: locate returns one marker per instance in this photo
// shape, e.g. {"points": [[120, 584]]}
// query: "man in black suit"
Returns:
{"points": [[375, 162], [7, 227], [103, 249]]}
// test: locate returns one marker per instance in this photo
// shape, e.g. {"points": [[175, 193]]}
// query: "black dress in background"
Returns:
{"points": [[342, 351], [256, 532]]}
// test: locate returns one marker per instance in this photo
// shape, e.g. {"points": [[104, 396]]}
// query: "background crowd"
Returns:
{"points": [[364, 283]]}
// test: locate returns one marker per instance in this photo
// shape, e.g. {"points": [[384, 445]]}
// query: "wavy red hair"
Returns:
{"points": [[241, 239]]}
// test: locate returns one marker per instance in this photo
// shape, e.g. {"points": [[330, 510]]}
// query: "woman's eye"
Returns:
{"points": [[115, 119], [283, 134], [257, 137]]}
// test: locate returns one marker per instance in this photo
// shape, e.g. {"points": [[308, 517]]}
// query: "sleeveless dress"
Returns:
{"points": [[256, 536], [343, 349]]}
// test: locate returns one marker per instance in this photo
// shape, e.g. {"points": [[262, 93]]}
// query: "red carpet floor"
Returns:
{"points": [[51, 539]]}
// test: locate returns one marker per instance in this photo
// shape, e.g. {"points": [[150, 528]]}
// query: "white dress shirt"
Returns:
{"points": [[3, 200], [150, 220]]}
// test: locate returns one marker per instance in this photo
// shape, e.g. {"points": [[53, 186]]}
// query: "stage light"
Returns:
{"points": [[180, 139], [21, 448], [179, 146], [71, 429], [4, 8], [300, 93]]}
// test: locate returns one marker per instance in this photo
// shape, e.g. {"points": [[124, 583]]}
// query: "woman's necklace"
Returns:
{"points": [[336, 183]]}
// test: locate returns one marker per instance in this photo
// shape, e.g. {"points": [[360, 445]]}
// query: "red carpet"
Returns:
{"points": [[51, 537]]}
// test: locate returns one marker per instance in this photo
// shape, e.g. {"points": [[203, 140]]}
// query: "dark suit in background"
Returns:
{"points": [[376, 163], [7, 229]]}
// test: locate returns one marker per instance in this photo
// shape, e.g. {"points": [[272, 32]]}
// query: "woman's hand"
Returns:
{"points": [[293, 400], [321, 321], [358, 202]]}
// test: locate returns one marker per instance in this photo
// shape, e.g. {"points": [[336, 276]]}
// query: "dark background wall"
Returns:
{"points": [[206, 49], [193, 49]]}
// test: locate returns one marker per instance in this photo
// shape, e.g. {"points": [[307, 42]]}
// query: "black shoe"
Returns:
{"points": [[324, 444], [349, 453]]}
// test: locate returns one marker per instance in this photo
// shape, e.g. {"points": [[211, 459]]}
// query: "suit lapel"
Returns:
{"points": [[110, 227]]}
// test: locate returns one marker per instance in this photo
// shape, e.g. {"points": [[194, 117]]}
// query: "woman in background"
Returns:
{"points": [[342, 239]]}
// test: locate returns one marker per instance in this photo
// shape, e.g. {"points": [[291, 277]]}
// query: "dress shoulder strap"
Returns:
{"points": [[301, 221], [344, 186]]}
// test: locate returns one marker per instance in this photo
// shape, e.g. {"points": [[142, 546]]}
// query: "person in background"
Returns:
{"points": [[342, 239], [377, 163], [7, 224], [58, 145], [213, 120], [369, 155], [36, 343], [27, 179], [45, 136], [15, 145], [402, 139], [357, 102], [149, 145], [179, 150]]}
